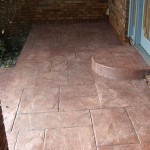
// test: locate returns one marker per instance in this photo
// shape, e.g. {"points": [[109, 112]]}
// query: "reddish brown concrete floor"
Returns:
{"points": [[120, 62], [53, 100]]}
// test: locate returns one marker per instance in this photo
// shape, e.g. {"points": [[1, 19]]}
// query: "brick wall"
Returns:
{"points": [[62, 11], [54, 11], [15, 15], [70, 11], [3, 140], [119, 17]]}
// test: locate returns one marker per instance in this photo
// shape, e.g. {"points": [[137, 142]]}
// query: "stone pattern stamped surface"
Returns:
{"points": [[52, 100]]}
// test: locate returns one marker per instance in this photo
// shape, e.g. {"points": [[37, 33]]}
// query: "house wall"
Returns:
{"points": [[15, 15], [3, 141], [118, 17], [72, 11], [69, 11], [54, 11]]}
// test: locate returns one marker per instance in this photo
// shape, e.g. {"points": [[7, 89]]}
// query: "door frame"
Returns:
{"points": [[138, 25], [134, 34]]}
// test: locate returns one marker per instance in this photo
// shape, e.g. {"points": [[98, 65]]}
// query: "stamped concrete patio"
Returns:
{"points": [[52, 100]]}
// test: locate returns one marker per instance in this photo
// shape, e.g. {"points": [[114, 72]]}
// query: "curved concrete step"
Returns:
{"points": [[120, 63]]}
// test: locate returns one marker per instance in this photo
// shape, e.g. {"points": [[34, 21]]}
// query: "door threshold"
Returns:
{"points": [[144, 54]]}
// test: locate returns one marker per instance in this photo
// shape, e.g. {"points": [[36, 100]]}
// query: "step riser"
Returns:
{"points": [[119, 73]]}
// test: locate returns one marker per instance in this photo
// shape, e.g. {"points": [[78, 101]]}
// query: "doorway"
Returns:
{"points": [[139, 24]]}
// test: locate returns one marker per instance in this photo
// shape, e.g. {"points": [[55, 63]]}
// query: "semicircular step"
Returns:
{"points": [[120, 63]]}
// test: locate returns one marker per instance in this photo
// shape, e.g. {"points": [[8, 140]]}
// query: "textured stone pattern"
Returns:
{"points": [[119, 10], [52, 100], [122, 62], [3, 140]]}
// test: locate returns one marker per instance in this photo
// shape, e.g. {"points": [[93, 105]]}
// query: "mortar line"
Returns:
{"points": [[44, 139], [100, 101], [16, 140], [59, 99], [133, 125], [93, 130], [17, 110]]}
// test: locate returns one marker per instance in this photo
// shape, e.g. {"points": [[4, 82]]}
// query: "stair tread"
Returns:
{"points": [[125, 60]]}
